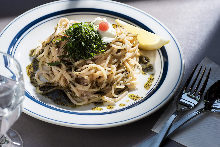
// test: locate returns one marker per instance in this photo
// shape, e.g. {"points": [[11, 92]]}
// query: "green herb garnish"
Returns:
{"points": [[54, 63], [83, 41]]}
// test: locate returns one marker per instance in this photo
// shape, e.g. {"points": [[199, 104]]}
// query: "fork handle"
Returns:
{"points": [[184, 120], [175, 126], [157, 139]]}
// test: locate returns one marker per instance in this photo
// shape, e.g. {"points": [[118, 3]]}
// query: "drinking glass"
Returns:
{"points": [[11, 97]]}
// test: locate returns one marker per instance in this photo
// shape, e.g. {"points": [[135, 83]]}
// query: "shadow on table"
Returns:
{"points": [[53, 135], [212, 49], [16, 7]]}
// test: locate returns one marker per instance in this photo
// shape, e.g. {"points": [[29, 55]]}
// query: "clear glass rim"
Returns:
{"points": [[19, 79], [19, 66]]}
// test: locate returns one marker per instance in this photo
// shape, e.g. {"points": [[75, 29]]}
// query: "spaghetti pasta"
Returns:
{"points": [[106, 77]]}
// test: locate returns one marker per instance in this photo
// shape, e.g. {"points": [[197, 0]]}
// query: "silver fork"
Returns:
{"points": [[189, 99], [212, 104]]}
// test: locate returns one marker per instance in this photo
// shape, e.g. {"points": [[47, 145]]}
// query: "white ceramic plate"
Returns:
{"points": [[27, 30]]}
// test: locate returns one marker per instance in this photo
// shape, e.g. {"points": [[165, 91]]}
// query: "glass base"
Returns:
{"points": [[11, 139]]}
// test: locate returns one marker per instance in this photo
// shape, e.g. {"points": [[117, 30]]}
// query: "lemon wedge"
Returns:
{"points": [[147, 40]]}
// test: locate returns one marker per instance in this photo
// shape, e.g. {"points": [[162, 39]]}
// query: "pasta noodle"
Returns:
{"points": [[107, 77]]}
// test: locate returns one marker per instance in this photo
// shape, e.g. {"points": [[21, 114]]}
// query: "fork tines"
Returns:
{"points": [[193, 89]]}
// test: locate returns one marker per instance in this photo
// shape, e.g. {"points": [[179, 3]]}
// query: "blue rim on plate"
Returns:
{"points": [[15, 42]]}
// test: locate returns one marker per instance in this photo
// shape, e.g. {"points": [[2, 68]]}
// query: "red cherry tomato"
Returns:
{"points": [[103, 26]]}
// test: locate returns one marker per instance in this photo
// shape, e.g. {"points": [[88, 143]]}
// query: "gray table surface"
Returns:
{"points": [[195, 24]]}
